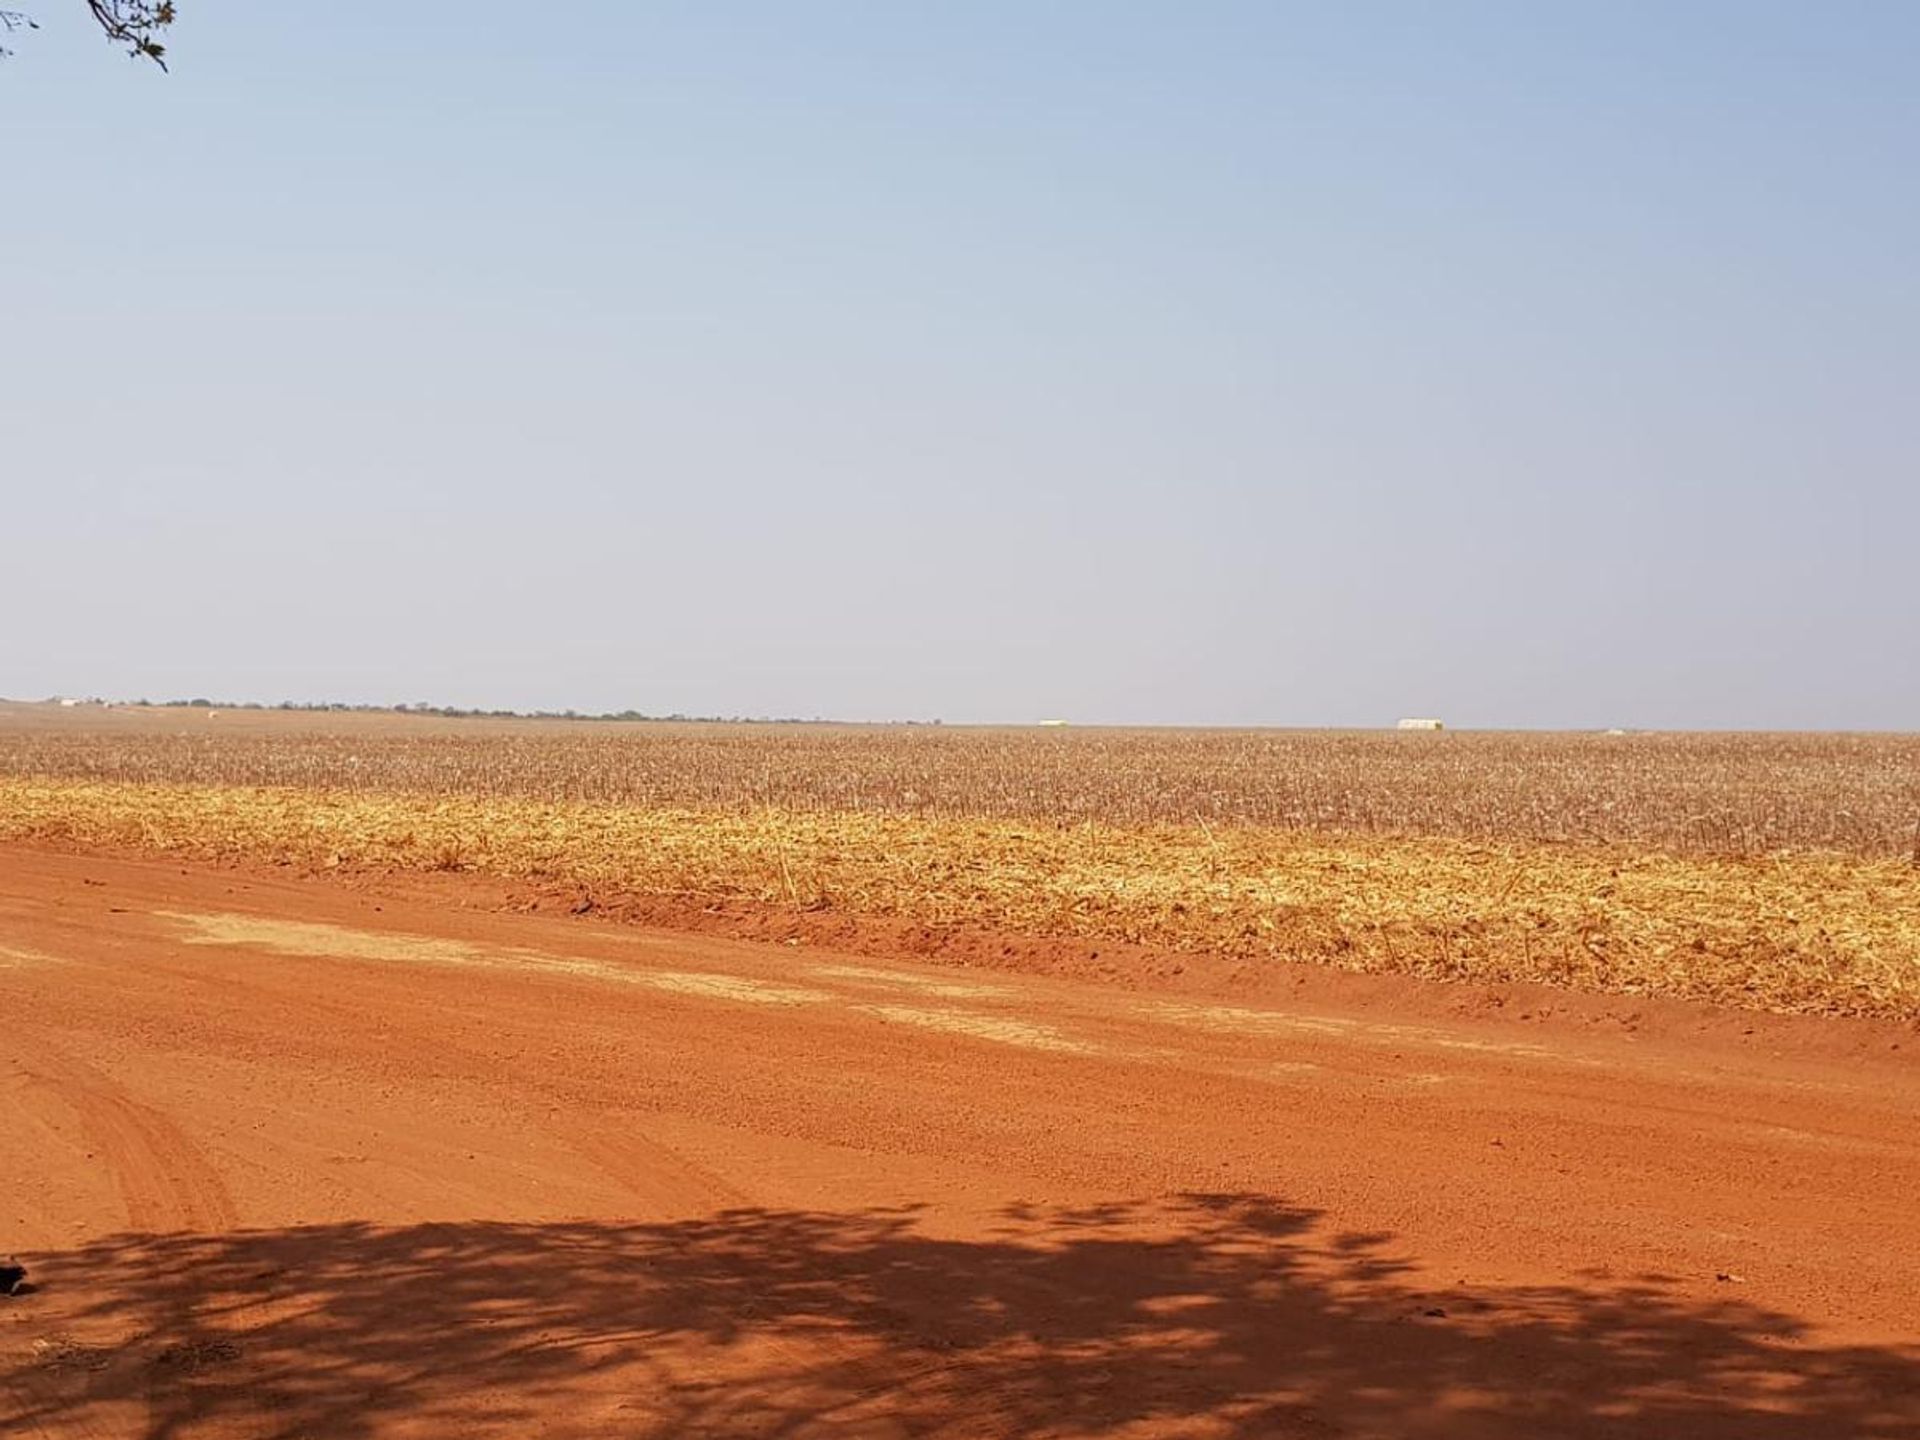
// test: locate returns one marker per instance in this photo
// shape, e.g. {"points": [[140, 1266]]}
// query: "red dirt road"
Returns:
{"points": [[292, 1159]]}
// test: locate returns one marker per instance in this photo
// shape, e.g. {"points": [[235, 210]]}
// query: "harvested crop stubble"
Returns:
{"points": [[1746, 794], [1803, 932]]}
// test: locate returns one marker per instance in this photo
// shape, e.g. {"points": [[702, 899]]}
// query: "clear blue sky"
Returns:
{"points": [[1273, 363]]}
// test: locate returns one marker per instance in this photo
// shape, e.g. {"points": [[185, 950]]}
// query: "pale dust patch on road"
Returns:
{"points": [[1857, 1144], [1257, 1022], [1275, 1022], [15, 957], [925, 985], [338, 942], [1416, 1035], [333, 942], [730, 987], [998, 1028]]}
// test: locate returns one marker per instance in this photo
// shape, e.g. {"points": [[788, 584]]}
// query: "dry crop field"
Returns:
{"points": [[1771, 871]]}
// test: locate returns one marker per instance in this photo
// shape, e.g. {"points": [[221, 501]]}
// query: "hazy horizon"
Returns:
{"points": [[1254, 365], [428, 709]]}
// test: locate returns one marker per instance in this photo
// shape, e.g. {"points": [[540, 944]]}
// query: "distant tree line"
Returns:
{"points": [[457, 712]]}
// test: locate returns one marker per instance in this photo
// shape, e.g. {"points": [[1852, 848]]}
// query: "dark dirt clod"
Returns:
{"points": [[194, 1355]]}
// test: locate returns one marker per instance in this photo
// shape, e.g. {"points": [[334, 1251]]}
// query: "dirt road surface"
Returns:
{"points": [[293, 1159]]}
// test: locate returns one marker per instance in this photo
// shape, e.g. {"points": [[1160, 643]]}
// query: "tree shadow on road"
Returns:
{"points": [[1207, 1316]]}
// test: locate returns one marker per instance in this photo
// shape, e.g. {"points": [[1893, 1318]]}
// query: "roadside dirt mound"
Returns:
{"points": [[1144, 967]]}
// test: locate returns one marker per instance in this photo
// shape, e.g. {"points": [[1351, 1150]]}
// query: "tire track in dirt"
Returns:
{"points": [[164, 1182], [665, 1182]]}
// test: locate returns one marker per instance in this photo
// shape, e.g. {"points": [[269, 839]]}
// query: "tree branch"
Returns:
{"points": [[137, 24]]}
